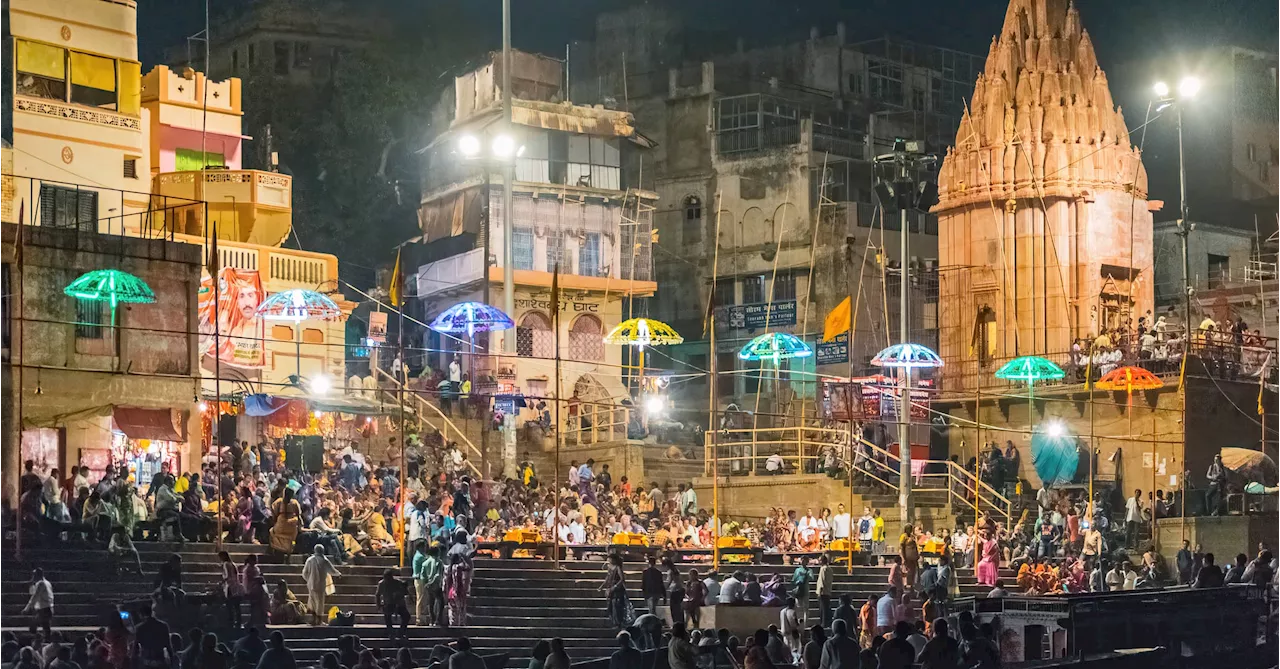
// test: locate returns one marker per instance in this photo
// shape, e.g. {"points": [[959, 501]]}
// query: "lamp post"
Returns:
{"points": [[903, 192], [1187, 89]]}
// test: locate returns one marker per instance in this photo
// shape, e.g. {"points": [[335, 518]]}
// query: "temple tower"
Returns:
{"points": [[1044, 229]]}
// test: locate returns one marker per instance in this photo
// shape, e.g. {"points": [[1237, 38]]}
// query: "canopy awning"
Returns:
{"points": [[157, 424]]}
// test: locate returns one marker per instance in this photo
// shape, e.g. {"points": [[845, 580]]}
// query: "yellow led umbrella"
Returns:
{"points": [[642, 332]]}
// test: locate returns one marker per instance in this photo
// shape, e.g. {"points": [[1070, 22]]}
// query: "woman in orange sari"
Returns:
{"points": [[284, 532]]}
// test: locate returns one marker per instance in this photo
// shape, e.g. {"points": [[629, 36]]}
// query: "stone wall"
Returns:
{"points": [[1224, 536]]}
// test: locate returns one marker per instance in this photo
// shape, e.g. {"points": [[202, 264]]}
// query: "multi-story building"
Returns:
{"points": [[763, 166], [144, 175], [575, 206]]}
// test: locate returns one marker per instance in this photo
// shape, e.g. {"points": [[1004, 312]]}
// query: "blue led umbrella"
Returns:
{"points": [[470, 318], [775, 346], [297, 305]]}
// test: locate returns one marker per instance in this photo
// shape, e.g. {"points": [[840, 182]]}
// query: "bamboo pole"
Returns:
{"points": [[711, 383]]}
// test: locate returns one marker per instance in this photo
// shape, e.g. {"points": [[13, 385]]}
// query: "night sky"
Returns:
{"points": [[1122, 29]]}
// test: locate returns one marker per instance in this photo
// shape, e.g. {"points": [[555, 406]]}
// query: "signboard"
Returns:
{"points": [[754, 316], [378, 327], [240, 331], [834, 351]]}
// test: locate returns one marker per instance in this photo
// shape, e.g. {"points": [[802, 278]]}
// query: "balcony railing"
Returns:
{"points": [[250, 205]]}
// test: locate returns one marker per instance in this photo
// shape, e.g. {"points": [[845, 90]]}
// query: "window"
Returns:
{"points": [[581, 160], [589, 255], [68, 208], [724, 294], [52, 72], [555, 251], [131, 168], [725, 363], [1219, 270], [188, 160], [753, 289], [281, 58], [918, 100], [42, 70], [751, 371], [302, 55], [984, 335], [692, 232], [522, 248], [784, 287], [533, 337], [586, 338], [855, 84], [886, 81], [253, 54], [93, 80], [90, 319]]}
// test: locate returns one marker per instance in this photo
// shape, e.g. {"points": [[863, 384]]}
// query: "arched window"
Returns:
{"points": [[984, 335], [586, 338], [533, 337], [692, 230]]}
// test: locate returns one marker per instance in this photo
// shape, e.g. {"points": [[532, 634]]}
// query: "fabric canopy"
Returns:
{"points": [[157, 424]]}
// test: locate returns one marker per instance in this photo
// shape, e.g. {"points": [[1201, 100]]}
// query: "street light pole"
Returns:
{"points": [[508, 176], [1184, 231], [904, 333]]}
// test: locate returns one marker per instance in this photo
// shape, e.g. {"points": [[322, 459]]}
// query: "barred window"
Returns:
{"points": [[589, 255], [533, 337], [555, 251], [586, 338], [90, 319], [522, 248]]}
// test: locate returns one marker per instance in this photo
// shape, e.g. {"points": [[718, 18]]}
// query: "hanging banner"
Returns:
{"points": [[378, 327], [834, 351], [239, 328]]}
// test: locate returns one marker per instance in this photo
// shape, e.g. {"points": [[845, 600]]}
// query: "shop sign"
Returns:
{"points": [[756, 316], [834, 351], [565, 305]]}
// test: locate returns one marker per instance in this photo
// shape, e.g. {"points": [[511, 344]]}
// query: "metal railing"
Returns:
{"points": [[428, 414], [603, 422], [745, 451]]}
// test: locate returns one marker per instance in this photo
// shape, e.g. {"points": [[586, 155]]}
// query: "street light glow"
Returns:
{"points": [[1055, 429], [654, 405], [504, 146], [469, 145], [1161, 89], [321, 385], [1188, 87]]}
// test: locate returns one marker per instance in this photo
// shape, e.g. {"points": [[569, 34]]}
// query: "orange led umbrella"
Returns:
{"points": [[1129, 379]]}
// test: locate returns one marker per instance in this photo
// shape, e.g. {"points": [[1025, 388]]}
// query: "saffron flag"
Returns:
{"points": [[397, 282], [838, 320]]}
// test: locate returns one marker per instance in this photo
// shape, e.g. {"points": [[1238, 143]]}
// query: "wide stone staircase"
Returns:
{"points": [[514, 602]]}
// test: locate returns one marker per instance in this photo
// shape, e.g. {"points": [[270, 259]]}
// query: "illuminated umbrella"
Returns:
{"points": [[1249, 465], [113, 286], [1030, 368], [1054, 455], [642, 332], [907, 356], [471, 317], [1129, 379], [297, 305], [775, 346], [110, 285]]}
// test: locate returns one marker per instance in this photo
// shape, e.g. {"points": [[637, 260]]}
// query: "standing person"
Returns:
{"points": [[40, 605], [1217, 476], [675, 592], [789, 627], [1132, 519], [427, 576], [255, 591], [152, 647], [989, 564], [867, 618], [1184, 562], [941, 651], [389, 597], [318, 573], [877, 533], [811, 655], [457, 588], [841, 523], [846, 612], [910, 552], [800, 588], [1210, 575], [651, 586], [695, 593], [886, 607], [840, 651], [824, 588], [621, 613], [288, 515], [232, 590]]}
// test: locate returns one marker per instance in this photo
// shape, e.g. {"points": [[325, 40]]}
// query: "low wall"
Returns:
{"points": [[752, 497], [1224, 536], [741, 621]]}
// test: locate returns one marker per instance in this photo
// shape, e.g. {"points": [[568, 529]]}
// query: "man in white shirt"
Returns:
{"points": [[573, 474], [885, 611], [732, 590], [775, 464], [712, 582], [455, 371], [866, 528], [960, 548], [840, 524], [1132, 518], [40, 605], [688, 500]]}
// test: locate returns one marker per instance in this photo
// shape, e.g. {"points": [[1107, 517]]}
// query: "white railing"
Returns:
{"points": [[429, 414], [459, 270]]}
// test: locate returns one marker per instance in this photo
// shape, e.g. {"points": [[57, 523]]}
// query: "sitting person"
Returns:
{"points": [[122, 552], [286, 609]]}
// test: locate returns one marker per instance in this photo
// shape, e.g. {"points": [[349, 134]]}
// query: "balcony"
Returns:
{"points": [[280, 269], [248, 206]]}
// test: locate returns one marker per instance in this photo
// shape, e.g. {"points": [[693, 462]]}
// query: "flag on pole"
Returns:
{"points": [[838, 320], [397, 281]]}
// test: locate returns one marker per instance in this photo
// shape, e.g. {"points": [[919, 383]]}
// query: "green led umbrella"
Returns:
{"points": [[112, 286], [1030, 368]]}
